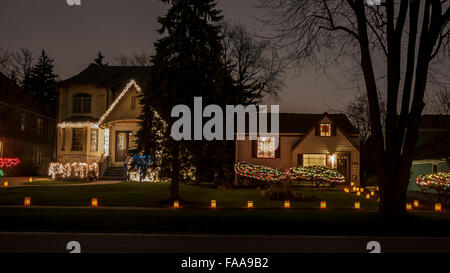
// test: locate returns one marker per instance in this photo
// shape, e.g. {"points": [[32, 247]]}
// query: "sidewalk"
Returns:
{"points": [[20, 181]]}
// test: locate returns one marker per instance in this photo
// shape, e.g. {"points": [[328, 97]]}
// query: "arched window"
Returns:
{"points": [[82, 103]]}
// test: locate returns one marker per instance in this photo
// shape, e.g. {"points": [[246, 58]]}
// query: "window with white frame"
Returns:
{"points": [[77, 134], [63, 139], [314, 160], [133, 102], [266, 147], [82, 103]]}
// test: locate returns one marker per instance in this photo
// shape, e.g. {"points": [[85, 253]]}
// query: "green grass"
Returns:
{"points": [[222, 221], [154, 195]]}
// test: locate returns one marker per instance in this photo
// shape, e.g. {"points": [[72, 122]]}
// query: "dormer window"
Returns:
{"points": [[325, 129], [82, 103]]}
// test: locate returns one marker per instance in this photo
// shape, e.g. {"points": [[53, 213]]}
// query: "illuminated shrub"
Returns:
{"points": [[73, 171]]}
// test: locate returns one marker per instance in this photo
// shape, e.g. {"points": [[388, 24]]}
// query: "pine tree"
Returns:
{"points": [[41, 82], [99, 59], [187, 63]]}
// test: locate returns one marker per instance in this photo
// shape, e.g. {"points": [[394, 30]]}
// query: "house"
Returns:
{"points": [[307, 140], [27, 130], [98, 117], [432, 153]]}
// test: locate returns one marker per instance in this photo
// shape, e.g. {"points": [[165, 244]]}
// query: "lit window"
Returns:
{"points": [[82, 103], [40, 126], [266, 147], [325, 129], [314, 160], [94, 140], [76, 139]]}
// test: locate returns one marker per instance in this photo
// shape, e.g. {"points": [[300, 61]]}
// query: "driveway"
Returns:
{"points": [[20, 181]]}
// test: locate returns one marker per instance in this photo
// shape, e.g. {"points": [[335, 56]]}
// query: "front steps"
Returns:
{"points": [[113, 173]]}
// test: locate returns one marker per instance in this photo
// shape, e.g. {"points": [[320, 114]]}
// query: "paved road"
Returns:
{"points": [[152, 243], [23, 182]]}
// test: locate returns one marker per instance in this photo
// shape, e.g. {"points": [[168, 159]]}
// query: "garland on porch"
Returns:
{"points": [[311, 173], [438, 181]]}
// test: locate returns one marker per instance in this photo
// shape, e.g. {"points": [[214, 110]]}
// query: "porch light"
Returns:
{"points": [[94, 202], [333, 160], [213, 204], [408, 206], [5, 184], [362, 189], [250, 204], [416, 203], [287, 204], [27, 201], [176, 204], [372, 193], [438, 207], [323, 204], [30, 179], [352, 184], [357, 205]]}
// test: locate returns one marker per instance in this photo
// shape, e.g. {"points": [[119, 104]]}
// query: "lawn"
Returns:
{"points": [[231, 216], [128, 194]]}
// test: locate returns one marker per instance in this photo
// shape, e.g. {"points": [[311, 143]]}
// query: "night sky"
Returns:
{"points": [[74, 35]]}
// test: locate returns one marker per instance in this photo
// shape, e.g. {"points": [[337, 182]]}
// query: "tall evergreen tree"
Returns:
{"points": [[99, 59], [41, 82], [187, 63]]}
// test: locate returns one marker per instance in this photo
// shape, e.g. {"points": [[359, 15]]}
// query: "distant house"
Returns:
{"points": [[27, 130], [98, 116], [306, 140], [432, 149]]}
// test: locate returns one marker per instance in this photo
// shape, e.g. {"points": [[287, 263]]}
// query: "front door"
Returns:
{"points": [[122, 144], [342, 165]]}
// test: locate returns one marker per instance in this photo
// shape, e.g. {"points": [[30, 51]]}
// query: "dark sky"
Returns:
{"points": [[73, 36]]}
